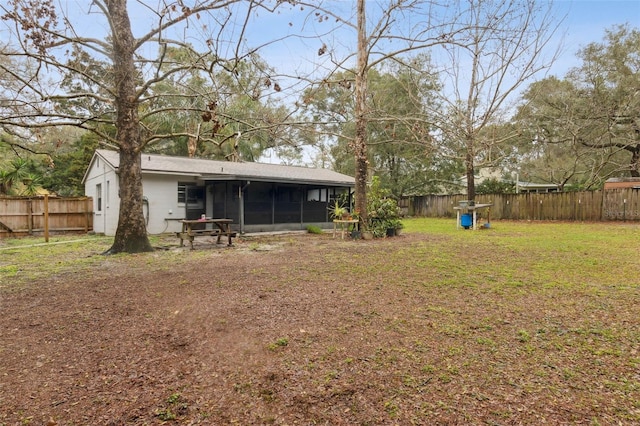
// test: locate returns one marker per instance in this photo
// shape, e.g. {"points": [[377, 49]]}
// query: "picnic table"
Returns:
{"points": [[193, 228], [344, 225]]}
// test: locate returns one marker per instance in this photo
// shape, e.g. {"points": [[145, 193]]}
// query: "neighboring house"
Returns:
{"points": [[622, 183], [459, 186], [486, 173], [258, 197], [527, 187]]}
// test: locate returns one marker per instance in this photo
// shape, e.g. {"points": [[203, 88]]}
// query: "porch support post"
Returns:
{"points": [[301, 189], [241, 203], [274, 188], [241, 207]]}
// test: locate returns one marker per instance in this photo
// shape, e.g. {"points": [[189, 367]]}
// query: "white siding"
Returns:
{"points": [[162, 210], [100, 173]]}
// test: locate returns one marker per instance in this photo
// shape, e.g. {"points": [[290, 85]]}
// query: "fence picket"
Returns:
{"points": [[25, 215], [612, 204]]}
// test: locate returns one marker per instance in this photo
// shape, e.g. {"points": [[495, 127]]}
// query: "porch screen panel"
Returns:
{"points": [[219, 194], [288, 199], [258, 203], [225, 201], [314, 206], [233, 202]]}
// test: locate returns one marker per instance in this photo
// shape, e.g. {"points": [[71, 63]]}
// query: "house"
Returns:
{"points": [[486, 173], [480, 175], [622, 183], [257, 197], [531, 187]]}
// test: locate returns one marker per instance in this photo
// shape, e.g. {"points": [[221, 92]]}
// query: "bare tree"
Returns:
{"points": [[360, 140], [484, 49], [500, 45], [93, 70], [384, 31]]}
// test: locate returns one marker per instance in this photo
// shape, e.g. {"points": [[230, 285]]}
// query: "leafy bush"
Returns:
{"points": [[383, 210], [495, 186], [312, 229]]}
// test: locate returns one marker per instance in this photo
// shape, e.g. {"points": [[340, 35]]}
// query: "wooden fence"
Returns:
{"points": [[613, 204], [28, 215]]}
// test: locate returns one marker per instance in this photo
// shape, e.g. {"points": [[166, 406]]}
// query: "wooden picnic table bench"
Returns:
{"points": [[190, 229]]}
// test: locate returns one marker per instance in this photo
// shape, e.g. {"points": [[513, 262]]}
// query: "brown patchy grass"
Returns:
{"points": [[519, 324]]}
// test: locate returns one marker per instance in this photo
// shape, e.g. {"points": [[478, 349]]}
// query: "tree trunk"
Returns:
{"points": [[471, 180], [469, 167], [635, 161], [131, 234], [360, 140]]}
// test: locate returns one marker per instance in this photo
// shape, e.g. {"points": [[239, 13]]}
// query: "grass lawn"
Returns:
{"points": [[522, 323]]}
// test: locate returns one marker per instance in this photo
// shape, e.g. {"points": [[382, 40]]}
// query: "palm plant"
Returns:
{"points": [[13, 175], [32, 184]]}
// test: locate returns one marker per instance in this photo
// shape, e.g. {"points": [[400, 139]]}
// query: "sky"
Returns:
{"points": [[586, 22]]}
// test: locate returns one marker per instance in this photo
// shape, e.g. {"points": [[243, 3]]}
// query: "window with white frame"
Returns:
{"points": [[99, 197], [186, 189]]}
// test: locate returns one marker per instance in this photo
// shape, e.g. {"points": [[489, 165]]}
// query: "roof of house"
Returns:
{"points": [[624, 179], [227, 170], [622, 183], [532, 185]]}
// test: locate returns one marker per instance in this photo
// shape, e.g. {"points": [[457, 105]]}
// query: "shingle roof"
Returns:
{"points": [[227, 170]]}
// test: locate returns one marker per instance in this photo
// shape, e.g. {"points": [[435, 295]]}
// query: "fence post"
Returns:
{"points": [[29, 216], [86, 215], [46, 218]]}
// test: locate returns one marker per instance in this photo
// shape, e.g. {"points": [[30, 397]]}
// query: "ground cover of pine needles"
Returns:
{"points": [[521, 323]]}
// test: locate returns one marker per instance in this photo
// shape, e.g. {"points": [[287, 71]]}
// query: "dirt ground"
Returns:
{"points": [[278, 331]]}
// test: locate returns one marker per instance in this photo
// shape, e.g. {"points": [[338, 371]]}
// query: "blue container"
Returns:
{"points": [[466, 220]]}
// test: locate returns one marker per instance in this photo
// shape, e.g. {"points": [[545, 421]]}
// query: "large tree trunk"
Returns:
{"points": [[131, 235], [360, 141]]}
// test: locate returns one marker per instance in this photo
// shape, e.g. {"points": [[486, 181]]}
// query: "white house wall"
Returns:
{"points": [[162, 209], [102, 176]]}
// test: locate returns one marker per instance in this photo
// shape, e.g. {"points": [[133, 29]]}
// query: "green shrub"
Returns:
{"points": [[383, 210], [312, 229]]}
